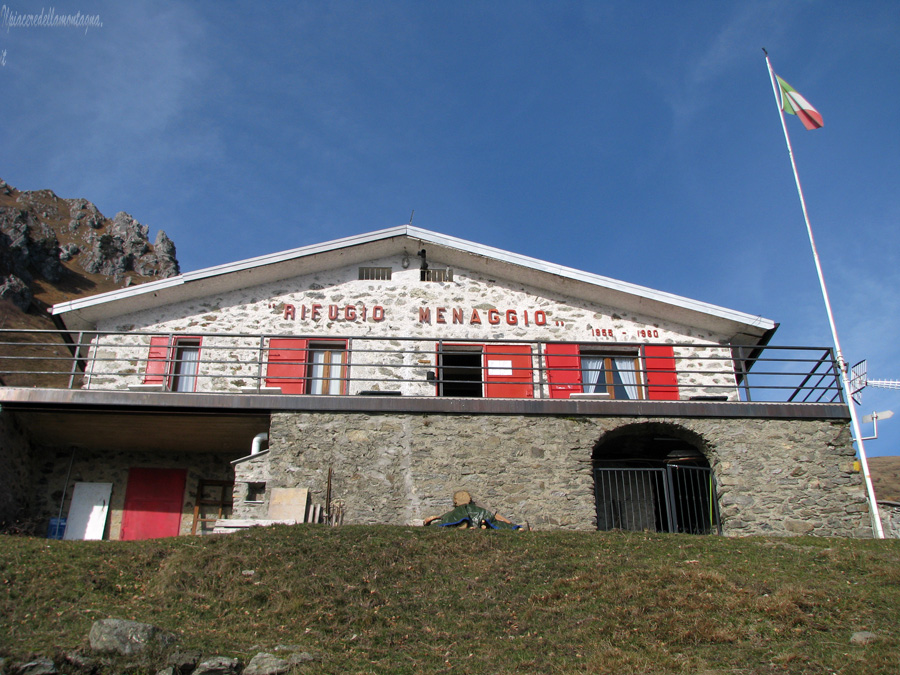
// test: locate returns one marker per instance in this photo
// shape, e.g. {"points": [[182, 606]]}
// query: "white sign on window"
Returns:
{"points": [[500, 368]]}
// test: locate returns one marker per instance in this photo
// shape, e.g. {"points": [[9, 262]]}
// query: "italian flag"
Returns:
{"points": [[792, 102]]}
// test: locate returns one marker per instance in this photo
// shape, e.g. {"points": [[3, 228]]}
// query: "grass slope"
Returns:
{"points": [[415, 600]]}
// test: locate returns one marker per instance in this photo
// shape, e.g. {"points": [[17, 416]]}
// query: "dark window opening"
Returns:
{"points": [[460, 373], [256, 492], [436, 275]]}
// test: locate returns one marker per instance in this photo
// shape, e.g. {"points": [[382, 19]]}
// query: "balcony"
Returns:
{"points": [[216, 370]]}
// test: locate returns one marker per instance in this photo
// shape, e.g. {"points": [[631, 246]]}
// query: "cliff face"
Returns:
{"points": [[54, 249]]}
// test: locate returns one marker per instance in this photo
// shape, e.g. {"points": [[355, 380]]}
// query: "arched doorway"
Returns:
{"points": [[654, 477]]}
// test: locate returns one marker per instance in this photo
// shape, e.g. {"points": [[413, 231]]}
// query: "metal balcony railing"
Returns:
{"points": [[352, 365]]}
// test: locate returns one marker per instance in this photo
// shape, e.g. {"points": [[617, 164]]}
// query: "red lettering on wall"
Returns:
{"points": [[475, 317], [457, 315], [526, 317], [540, 319], [493, 316], [350, 313], [511, 317], [439, 315], [378, 313], [302, 311], [333, 312], [424, 315], [314, 311], [290, 312]]}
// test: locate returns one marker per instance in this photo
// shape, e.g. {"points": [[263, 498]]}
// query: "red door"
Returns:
{"points": [[507, 371], [287, 365], [153, 503]]}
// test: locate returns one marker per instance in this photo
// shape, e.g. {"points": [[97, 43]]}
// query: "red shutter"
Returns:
{"points": [[157, 361], [662, 379], [287, 365], [563, 369], [507, 371]]}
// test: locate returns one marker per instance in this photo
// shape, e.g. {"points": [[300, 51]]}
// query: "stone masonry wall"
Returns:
{"points": [[51, 466], [890, 519], [774, 476], [336, 304], [15, 471]]}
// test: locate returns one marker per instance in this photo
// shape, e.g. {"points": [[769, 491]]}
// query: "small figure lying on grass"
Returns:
{"points": [[466, 514]]}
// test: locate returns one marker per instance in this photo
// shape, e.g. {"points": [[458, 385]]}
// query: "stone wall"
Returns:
{"points": [[890, 519], [782, 477], [16, 500], [251, 470], [101, 466]]}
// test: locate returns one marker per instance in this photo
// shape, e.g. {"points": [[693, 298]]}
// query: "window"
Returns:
{"points": [[185, 365], [459, 372], [374, 273], [436, 275], [489, 371], [327, 368], [300, 366], [614, 374], [174, 362], [621, 373], [256, 492]]}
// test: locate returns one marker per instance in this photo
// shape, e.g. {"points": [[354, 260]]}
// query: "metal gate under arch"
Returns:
{"points": [[672, 498]]}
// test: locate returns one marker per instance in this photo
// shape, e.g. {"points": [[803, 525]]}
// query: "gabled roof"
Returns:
{"points": [[84, 313]]}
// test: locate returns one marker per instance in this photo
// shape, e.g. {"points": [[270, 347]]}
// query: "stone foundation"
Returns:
{"points": [[783, 477]]}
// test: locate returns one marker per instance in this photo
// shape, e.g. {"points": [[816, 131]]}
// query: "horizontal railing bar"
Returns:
{"points": [[106, 358]]}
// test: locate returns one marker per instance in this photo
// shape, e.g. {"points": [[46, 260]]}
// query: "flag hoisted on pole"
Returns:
{"points": [[792, 102]]}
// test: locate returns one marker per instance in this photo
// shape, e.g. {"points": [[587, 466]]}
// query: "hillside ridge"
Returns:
{"points": [[54, 249]]}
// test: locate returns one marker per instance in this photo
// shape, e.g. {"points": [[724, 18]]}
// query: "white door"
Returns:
{"points": [[87, 513]]}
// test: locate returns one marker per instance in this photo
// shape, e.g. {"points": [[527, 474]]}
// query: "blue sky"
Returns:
{"points": [[638, 140]]}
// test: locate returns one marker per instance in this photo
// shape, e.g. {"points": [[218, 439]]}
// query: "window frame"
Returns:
{"points": [[295, 372], [329, 348], [654, 381], [176, 376], [163, 362], [610, 368]]}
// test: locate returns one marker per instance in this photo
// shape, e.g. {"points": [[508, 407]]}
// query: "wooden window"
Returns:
{"points": [[174, 362], [185, 365], [299, 366], [327, 368], [614, 374], [618, 372]]}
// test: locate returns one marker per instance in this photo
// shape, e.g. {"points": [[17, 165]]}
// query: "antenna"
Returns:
{"points": [[411, 216], [860, 380]]}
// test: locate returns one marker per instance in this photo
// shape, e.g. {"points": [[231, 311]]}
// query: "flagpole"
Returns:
{"points": [[842, 366]]}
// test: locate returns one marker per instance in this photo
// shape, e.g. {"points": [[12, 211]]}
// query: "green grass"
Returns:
{"points": [[417, 600]]}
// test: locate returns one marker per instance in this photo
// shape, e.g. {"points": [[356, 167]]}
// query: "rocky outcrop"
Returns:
{"points": [[119, 645], [123, 637], [44, 237]]}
